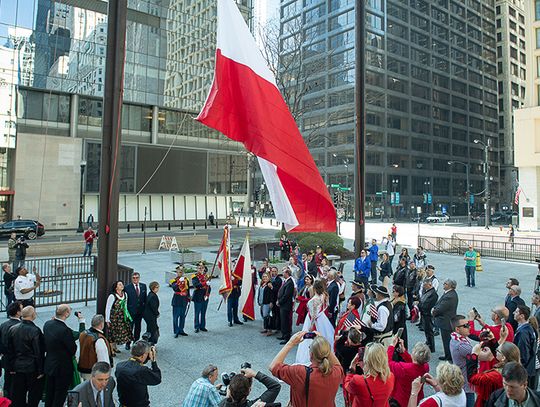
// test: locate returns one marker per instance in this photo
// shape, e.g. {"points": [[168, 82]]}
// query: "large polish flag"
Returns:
{"points": [[243, 270], [224, 263], [245, 104]]}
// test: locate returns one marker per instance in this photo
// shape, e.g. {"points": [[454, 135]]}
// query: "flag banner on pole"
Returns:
{"points": [[243, 270], [246, 105], [224, 263], [518, 192]]}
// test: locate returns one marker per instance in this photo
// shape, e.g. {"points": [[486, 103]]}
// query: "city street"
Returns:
{"points": [[182, 359]]}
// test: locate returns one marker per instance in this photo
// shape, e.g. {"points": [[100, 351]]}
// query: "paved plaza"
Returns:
{"points": [[182, 359]]}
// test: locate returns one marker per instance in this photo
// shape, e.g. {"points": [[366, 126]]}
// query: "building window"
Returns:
{"points": [[537, 9]]}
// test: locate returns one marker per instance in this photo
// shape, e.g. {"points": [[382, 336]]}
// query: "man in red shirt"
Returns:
{"points": [[89, 237], [498, 313]]}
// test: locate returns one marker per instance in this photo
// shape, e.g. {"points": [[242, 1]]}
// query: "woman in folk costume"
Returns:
{"points": [[316, 320], [306, 292], [117, 317]]}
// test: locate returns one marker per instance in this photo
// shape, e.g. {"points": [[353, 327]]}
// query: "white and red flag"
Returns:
{"points": [[518, 193], [224, 263], [243, 270], [245, 104]]}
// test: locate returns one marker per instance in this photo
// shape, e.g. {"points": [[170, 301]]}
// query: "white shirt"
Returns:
{"points": [[109, 305], [23, 282], [96, 391], [383, 315]]}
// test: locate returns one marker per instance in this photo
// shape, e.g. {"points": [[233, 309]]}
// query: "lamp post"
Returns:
{"points": [[395, 184], [486, 147], [383, 182], [80, 229], [427, 184], [468, 192]]}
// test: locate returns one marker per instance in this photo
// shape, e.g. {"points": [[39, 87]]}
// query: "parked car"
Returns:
{"points": [[422, 216], [442, 218], [30, 229]]}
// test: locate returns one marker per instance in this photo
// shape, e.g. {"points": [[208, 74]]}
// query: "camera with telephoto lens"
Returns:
{"points": [[226, 378]]}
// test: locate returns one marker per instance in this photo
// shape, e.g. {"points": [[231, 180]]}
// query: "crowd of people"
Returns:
{"points": [[356, 345]]}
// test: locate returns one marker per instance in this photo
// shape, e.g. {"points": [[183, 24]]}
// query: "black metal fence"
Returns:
{"points": [[65, 280], [497, 248]]}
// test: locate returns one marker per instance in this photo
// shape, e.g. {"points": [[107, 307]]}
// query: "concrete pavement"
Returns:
{"points": [[182, 359]]}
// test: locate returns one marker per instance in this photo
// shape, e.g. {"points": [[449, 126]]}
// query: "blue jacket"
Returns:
{"points": [[525, 340], [362, 268], [374, 253]]}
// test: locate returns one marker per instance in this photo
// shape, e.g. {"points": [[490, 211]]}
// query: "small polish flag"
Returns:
{"points": [[518, 192], [245, 104]]}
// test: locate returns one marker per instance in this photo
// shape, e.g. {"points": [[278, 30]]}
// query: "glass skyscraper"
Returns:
{"points": [[431, 90]]}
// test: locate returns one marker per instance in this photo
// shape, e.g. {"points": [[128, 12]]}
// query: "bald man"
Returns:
{"points": [[25, 358], [60, 342]]}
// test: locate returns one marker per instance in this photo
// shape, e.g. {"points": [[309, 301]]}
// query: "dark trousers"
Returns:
{"points": [[179, 319], [153, 329], [410, 298], [10, 297], [427, 321], [286, 322], [276, 320], [136, 326], [29, 302], [200, 314], [88, 249], [8, 384], [445, 337], [57, 388], [232, 309], [27, 384], [373, 272]]}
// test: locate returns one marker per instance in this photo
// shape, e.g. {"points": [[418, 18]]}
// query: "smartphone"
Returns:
{"points": [[361, 351], [476, 314], [399, 333], [423, 379], [503, 322], [72, 399], [310, 335], [77, 313]]}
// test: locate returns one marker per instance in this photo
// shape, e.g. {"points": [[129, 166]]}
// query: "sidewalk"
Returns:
{"points": [[182, 359]]}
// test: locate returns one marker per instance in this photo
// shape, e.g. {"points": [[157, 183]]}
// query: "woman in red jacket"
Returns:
{"points": [[375, 386], [485, 383], [408, 368]]}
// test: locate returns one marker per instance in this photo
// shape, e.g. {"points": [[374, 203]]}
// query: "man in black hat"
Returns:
{"points": [[427, 302], [381, 323], [358, 291]]}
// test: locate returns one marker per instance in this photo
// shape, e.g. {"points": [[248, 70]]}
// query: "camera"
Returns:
{"points": [[146, 337], [226, 378]]}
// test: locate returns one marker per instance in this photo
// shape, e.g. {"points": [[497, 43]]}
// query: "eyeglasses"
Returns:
{"points": [[464, 326]]}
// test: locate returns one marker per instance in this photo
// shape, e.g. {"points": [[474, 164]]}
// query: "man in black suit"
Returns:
{"points": [[333, 294], [275, 284], [514, 292], [311, 265], [14, 317], [25, 358], [136, 302], [285, 301], [443, 311], [61, 346], [428, 300], [101, 385]]}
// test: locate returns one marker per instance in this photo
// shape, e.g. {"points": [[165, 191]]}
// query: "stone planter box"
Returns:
{"points": [[192, 257]]}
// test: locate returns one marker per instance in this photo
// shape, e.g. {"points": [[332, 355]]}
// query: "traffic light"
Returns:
{"points": [[336, 198], [256, 195]]}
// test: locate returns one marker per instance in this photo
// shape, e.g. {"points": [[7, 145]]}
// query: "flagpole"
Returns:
{"points": [[360, 144]]}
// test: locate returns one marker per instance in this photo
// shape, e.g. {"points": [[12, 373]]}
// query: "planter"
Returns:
{"points": [[191, 257]]}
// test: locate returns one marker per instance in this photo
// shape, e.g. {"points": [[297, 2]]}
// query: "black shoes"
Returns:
{"points": [[280, 338], [203, 329], [230, 323], [176, 335], [196, 331], [238, 323], [183, 334], [128, 347]]}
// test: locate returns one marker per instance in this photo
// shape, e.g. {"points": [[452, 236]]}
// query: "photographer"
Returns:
{"points": [[204, 391], [240, 387], [133, 377]]}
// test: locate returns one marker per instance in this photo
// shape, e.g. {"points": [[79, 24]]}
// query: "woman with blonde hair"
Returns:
{"points": [[448, 385], [374, 387], [313, 385], [485, 383]]}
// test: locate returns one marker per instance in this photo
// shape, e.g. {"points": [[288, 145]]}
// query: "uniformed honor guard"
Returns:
{"points": [[180, 301], [200, 297], [232, 301]]}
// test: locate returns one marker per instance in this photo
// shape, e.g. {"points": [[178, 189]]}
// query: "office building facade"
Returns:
{"points": [[171, 167], [527, 126], [431, 90]]}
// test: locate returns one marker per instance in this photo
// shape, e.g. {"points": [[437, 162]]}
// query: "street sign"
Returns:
{"points": [[397, 198], [392, 198], [472, 199], [335, 185], [425, 197], [344, 189], [429, 198]]}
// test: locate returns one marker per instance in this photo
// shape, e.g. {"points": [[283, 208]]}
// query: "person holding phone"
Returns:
{"points": [[448, 386]]}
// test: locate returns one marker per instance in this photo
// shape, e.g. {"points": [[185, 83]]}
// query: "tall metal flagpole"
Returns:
{"points": [[360, 144], [109, 188]]}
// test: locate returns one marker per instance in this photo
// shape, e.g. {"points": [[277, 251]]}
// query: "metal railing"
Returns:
{"points": [[501, 249], [65, 280], [502, 237]]}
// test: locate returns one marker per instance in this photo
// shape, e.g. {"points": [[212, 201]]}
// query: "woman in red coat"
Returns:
{"points": [[408, 368], [375, 386]]}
